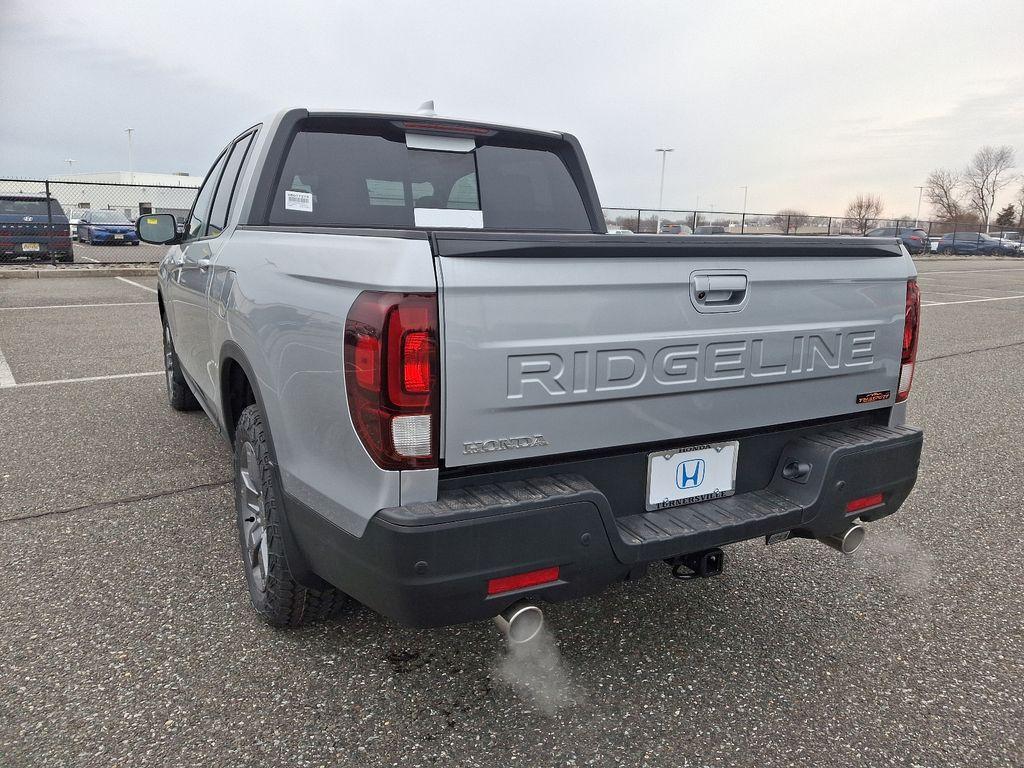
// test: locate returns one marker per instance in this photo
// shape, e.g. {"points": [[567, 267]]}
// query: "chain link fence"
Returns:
{"points": [[932, 236], [79, 222]]}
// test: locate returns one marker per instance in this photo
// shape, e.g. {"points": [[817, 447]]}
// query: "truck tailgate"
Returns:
{"points": [[566, 343]]}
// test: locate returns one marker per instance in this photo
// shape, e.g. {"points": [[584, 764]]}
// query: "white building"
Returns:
{"points": [[131, 192]]}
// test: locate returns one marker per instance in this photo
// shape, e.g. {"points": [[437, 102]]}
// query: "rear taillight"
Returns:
{"points": [[911, 326], [391, 376]]}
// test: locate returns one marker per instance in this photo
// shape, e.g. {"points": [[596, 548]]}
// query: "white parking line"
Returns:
{"points": [[940, 292], [76, 381], [137, 285], [80, 256], [81, 306], [6, 377], [966, 301]]}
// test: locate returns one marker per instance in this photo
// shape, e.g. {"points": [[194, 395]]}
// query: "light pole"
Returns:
{"points": [[71, 163], [920, 194], [131, 170], [661, 188]]}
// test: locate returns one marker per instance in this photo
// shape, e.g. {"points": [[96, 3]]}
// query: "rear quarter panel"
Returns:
{"points": [[285, 299]]}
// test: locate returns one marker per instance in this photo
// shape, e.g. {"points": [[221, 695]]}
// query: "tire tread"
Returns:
{"points": [[285, 602]]}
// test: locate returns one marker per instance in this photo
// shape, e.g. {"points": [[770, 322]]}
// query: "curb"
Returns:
{"points": [[966, 258], [83, 271]]}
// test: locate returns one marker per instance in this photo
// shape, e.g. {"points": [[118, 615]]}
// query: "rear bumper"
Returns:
{"points": [[428, 564], [108, 238], [48, 248]]}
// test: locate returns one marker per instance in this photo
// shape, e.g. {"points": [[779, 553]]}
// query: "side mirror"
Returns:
{"points": [[158, 229]]}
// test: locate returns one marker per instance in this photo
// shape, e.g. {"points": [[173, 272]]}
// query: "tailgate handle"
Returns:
{"points": [[719, 290]]}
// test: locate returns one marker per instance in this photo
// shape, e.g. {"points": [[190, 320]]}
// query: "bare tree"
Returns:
{"points": [[790, 219], [624, 222], [945, 191], [1020, 206], [864, 209], [985, 176]]}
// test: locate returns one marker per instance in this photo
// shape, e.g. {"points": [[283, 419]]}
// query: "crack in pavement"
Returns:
{"points": [[971, 352], [115, 502]]}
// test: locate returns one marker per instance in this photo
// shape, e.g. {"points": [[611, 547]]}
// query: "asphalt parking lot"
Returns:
{"points": [[127, 638]]}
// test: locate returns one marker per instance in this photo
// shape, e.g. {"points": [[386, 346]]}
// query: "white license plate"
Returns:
{"points": [[689, 475], [119, 237], [30, 247]]}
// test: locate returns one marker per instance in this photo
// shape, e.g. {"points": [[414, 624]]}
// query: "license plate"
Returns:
{"points": [[30, 247], [693, 474], [119, 237]]}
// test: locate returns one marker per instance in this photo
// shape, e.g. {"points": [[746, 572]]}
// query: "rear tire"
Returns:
{"points": [[275, 594], [178, 394]]}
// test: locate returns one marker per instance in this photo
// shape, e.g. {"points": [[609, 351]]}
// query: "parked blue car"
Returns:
{"points": [[106, 228], [969, 243]]}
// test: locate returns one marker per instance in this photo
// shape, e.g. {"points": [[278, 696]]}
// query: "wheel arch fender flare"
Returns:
{"points": [[232, 354]]}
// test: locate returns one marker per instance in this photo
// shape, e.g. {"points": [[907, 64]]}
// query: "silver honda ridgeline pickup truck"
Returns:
{"points": [[450, 394]]}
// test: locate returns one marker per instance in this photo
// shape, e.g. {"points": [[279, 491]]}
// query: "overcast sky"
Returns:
{"points": [[807, 104]]}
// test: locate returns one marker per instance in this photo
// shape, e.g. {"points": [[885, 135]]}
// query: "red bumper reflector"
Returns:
{"points": [[522, 580], [864, 502]]}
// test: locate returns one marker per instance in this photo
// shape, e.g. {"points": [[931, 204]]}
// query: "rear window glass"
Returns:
{"points": [[107, 217], [23, 207], [374, 180]]}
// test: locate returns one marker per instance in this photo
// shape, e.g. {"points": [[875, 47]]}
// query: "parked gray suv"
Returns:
{"points": [[451, 396]]}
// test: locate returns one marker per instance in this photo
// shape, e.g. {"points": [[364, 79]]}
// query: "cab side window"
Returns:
{"points": [[200, 211], [226, 188]]}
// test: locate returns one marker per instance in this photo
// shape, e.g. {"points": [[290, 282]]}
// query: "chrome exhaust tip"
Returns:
{"points": [[520, 623], [848, 541]]}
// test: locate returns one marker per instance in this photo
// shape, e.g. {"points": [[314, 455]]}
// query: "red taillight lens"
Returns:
{"points": [[911, 327], [417, 356], [367, 362], [392, 375], [865, 502], [522, 580]]}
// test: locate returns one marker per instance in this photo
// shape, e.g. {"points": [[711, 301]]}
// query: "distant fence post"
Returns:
{"points": [[49, 218], [694, 221], [829, 225], [743, 224], [638, 221]]}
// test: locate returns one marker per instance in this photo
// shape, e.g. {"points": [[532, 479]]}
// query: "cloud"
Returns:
{"points": [[805, 104]]}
